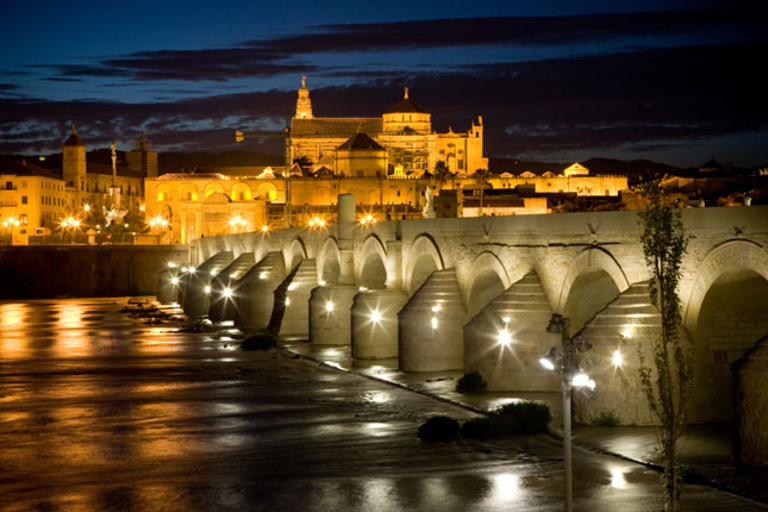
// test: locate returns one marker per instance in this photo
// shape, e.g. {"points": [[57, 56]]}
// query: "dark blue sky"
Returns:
{"points": [[674, 81]]}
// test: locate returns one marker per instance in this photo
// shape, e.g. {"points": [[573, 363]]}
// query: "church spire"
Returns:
{"points": [[303, 103], [405, 96]]}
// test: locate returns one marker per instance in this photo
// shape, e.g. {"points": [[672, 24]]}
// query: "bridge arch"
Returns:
{"points": [[294, 253], [488, 279], [371, 268], [424, 258], [329, 262], [594, 278], [729, 257], [726, 315]]}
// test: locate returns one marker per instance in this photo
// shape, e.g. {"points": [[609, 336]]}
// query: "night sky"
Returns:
{"points": [[673, 81]]}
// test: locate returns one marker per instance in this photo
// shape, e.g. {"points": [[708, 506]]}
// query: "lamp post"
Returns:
{"points": [[559, 324]]}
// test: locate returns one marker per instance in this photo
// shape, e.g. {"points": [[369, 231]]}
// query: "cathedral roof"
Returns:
{"points": [[73, 139], [335, 127], [361, 140], [407, 105]]}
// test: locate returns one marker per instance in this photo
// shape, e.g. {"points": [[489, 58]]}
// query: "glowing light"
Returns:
{"points": [[505, 338], [505, 319], [86, 207], [171, 264], [617, 359], [436, 308], [362, 289], [207, 289], [434, 323], [233, 275], [191, 270], [262, 275], [580, 379], [376, 316], [212, 272], [227, 292], [321, 283], [548, 361], [265, 228], [287, 301], [184, 269], [329, 306], [292, 286], [175, 280]]}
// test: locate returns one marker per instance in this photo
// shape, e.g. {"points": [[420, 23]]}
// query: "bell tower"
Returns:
{"points": [[73, 165], [303, 103]]}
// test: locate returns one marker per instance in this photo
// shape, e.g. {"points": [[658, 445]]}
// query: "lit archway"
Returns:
{"points": [[328, 262], [489, 280], [371, 272], [424, 258]]}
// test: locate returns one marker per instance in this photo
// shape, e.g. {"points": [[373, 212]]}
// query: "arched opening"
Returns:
{"points": [[213, 188], [188, 192], [329, 262], [733, 317], [374, 273], [266, 191], [163, 193], [423, 267], [590, 292], [486, 287], [241, 192]]}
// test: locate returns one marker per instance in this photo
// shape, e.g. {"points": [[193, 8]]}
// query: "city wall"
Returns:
{"points": [[83, 271]]}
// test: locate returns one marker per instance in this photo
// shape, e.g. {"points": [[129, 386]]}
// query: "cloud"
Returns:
{"points": [[293, 53], [634, 102]]}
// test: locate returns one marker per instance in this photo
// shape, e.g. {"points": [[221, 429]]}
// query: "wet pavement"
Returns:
{"points": [[98, 412]]}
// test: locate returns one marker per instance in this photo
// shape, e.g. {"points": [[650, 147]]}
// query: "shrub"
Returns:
{"points": [[523, 417], [513, 419], [608, 419], [481, 428], [260, 341], [440, 429], [470, 383]]}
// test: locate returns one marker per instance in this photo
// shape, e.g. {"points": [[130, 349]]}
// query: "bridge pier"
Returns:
{"points": [[254, 296], [290, 315], [222, 304], [196, 299], [506, 339], [167, 289], [430, 325], [330, 310], [374, 323]]}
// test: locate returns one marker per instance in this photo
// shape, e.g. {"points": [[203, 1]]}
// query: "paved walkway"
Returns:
{"points": [[706, 450]]}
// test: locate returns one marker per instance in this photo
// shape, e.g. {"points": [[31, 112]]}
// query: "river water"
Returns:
{"points": [[99, 412]]}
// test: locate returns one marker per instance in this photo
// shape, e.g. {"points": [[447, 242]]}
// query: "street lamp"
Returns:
{"points": [[572, 377]]}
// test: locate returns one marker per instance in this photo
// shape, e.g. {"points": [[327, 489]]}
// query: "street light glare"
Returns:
{"points": [[617, 359], [376, 316]]}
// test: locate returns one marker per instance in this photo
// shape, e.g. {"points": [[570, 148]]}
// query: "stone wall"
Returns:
{"points": [[84, 271]]}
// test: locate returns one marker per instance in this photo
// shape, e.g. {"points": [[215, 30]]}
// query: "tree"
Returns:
{"points": [[666, 389], [482, 179]]}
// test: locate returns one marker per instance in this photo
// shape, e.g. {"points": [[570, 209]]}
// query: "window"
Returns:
{"points": [[398, 193], [23, 220], [9, 185], [23, 198]]}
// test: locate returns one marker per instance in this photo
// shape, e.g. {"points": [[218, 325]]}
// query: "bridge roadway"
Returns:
{"points": [[477, 294]]}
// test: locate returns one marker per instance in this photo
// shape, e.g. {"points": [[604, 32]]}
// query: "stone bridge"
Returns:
{"points": [[477, 294]]}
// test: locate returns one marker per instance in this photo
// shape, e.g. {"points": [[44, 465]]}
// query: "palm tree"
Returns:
{"points": [[482, 176]]}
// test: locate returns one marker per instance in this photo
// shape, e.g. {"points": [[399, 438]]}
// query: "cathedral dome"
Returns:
{"points": [[407, 105]]}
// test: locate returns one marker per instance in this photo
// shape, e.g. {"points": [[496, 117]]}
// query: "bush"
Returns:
{"points": [[523, 417], [470, 383], [608, 419], [481, 428], [260, 341], [440, 429]]}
